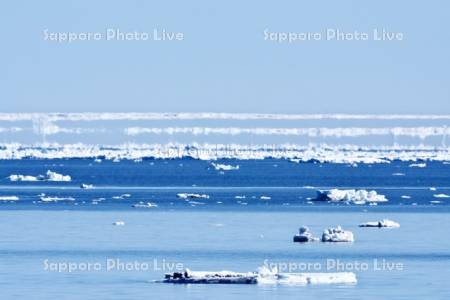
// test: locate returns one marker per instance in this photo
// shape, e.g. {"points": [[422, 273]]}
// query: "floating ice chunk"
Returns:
{"points": [[304, 235], [382, 223], [192, 196], [337, 235], [55, 199], [239, 197], [49, 176], [119, 223], [265, 198], [441, 196], [405, 197], [267, 276], [223, 277], [418, 165], [263, 276], [222, 167], [86, 186], [355, 196], [433, 189], [145, 205], [9, 198], [398, 174], [435, 202], [53, 176], [15, 177]]}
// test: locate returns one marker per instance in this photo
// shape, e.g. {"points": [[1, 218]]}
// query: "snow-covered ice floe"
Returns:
{"points": [[192, 196], [382, 223], [55, 199], [441, 196], [223, 167], [304, 235], [337, 235], [263, 276], [265, 197], [418, 165], [351, 196], [267, 276], [119, 223], [347, 154], [9, 198], [49, 176]]}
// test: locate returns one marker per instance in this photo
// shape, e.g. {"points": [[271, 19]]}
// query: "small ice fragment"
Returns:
{"points": [[418, 165], [223, 167], [119, 223], [86, 186], [192, 196], [304, 235]]}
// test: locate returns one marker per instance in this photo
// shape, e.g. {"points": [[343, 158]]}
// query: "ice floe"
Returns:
{"points": [[382, 223], [86, 186], [263, 276], [351, 196], [192, 196], [9, 198], [304, 235], [267, 276], [265, 197], [49, 176], [418, 165], [145, 205], [55, 199], [441, 196], [337, 235], [123, 196], [53, 176], [119, 223], [223, 167]]}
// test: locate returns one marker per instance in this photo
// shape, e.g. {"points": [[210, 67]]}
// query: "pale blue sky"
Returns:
{"points": [[224, 64]]}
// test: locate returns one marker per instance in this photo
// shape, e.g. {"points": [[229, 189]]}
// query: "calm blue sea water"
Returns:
{"points": [[221, 232]]}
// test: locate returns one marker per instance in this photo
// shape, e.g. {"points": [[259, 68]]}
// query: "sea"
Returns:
{"points": [[116, 237]]}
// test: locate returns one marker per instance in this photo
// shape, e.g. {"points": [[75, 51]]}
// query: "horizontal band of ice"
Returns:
{"points": [[134, 116], [353, 196], [382, 223], [49, 176], [334, 154], [416, 132], [263, 276]]}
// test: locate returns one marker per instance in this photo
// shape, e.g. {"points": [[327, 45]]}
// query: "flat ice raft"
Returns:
{"points": [[382, 223], [264, 276]]}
